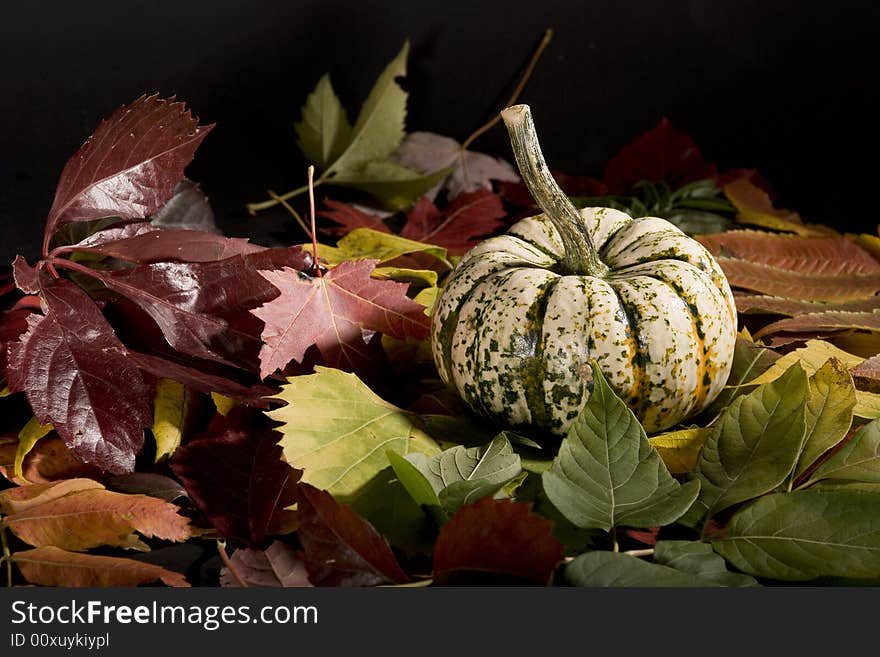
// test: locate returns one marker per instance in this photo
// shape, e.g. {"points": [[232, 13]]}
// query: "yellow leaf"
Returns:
{"points": [[680, 449], [428, 297], [364, 243], [812, 356], [867, 405], [27, 438], [338, 431], [5, 392], [871, 243], [222, 403], [170, 411], [426, 277]]}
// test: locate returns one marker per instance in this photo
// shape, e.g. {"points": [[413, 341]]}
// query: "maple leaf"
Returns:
{"points": [[130, 166], [341, 548], [460, 225], [350, 217], [235, 475], [428, 152], [76, 376], [500, 537], [332, 312]]}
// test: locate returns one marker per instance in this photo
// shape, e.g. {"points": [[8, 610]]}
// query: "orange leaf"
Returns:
{"points": [[756, 303], [18, 500], [51, 566], [827, 321]]}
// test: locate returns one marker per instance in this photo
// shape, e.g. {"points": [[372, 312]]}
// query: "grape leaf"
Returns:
{"points": [[805, 535], [279, 565], [130, 166], [607, 474], [324, 131], [77, 377], [754, 445], [332, 312], [234, 473], [90, 518], [428, 152], [498, 537], [170, 244], [349, 218], [786, 283], [832, 255], [337, 431], [188, 209], [460, 225], [341, 548]]}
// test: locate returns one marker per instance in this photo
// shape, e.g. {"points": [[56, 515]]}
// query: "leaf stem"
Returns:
{"points": [[287, 206], [647, 552], [314, 231], [221, 550], [527, 74], [580, 256], [253, 208], [7, 554]]}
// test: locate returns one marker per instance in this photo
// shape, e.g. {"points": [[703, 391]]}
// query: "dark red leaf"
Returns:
{"points": [[499, 537], [333, 312], [130, 166], [235, 474], [7, 284], [460, 225], [662, 153], [170, 244], [341, 548], [203, 308], [188, 209], [26, 277], [279, 565], [12, 324], [349, 218], [77, 376]]}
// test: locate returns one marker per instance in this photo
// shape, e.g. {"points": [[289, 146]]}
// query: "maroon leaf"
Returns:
{"points": [[662, 153], [349, 218], [7, 284], [170, 244], [12, 324], [203, 308], [130, 166], [26, 277], [499, 537], [278, 565], [823, 322], [188, 209], [460, 225], [76, 375], [341, 548], [333, 312], [235, 475]]}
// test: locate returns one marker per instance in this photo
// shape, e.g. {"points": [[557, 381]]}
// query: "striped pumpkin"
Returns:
{"points": [[523, 314]]}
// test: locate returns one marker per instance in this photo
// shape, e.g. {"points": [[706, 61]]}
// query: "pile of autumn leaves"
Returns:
{"points": [[163, 383]]}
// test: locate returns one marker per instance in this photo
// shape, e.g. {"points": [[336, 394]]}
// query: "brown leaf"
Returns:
{"points": [[808, 255], [22, 498], [823, 322], [785, 283], [51, 566], [130, 166], [341, 548], [90, 518], [500, 537], [279, 565], [761, 304], [49, 460]]}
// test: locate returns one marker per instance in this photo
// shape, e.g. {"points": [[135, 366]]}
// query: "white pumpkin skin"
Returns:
{"points": [[523, 315], [516, 339]]}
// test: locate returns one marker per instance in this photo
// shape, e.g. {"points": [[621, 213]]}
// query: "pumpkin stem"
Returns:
{"points": [[581, 256]]}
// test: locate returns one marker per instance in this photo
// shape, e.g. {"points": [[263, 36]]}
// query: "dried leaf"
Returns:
{"points": [[498, 537], [349, 218], [754, 303], [22, 498], [235, 475], [823, 322], [77, 377], [27, 438], [428, 152], [341, 548], [680, 449], [460, 225], [50, 460], [130, 166], [279, 565], [756, 209], [51, 566], [171, 407], [332, 312]]}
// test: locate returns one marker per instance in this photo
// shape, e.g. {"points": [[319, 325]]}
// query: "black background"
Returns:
{"points": [[786, 87]]}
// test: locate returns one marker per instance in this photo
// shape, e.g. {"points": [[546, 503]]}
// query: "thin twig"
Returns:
{"points": [[311, 175], [253, 208], [647, 552], [221, 550], [548, 35], [294, 213]]}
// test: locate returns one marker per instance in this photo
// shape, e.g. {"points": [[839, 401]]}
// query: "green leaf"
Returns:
{"points": [[829, 411], [749, 361], [337, 431], [805, 535], [392, 183], [409, 473], [606, 473], [858, 460], [324, 131], [387, 505], [460, 475], [699, 559], [421, 277], [753, 446], [617, 569], [27, 438]]}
